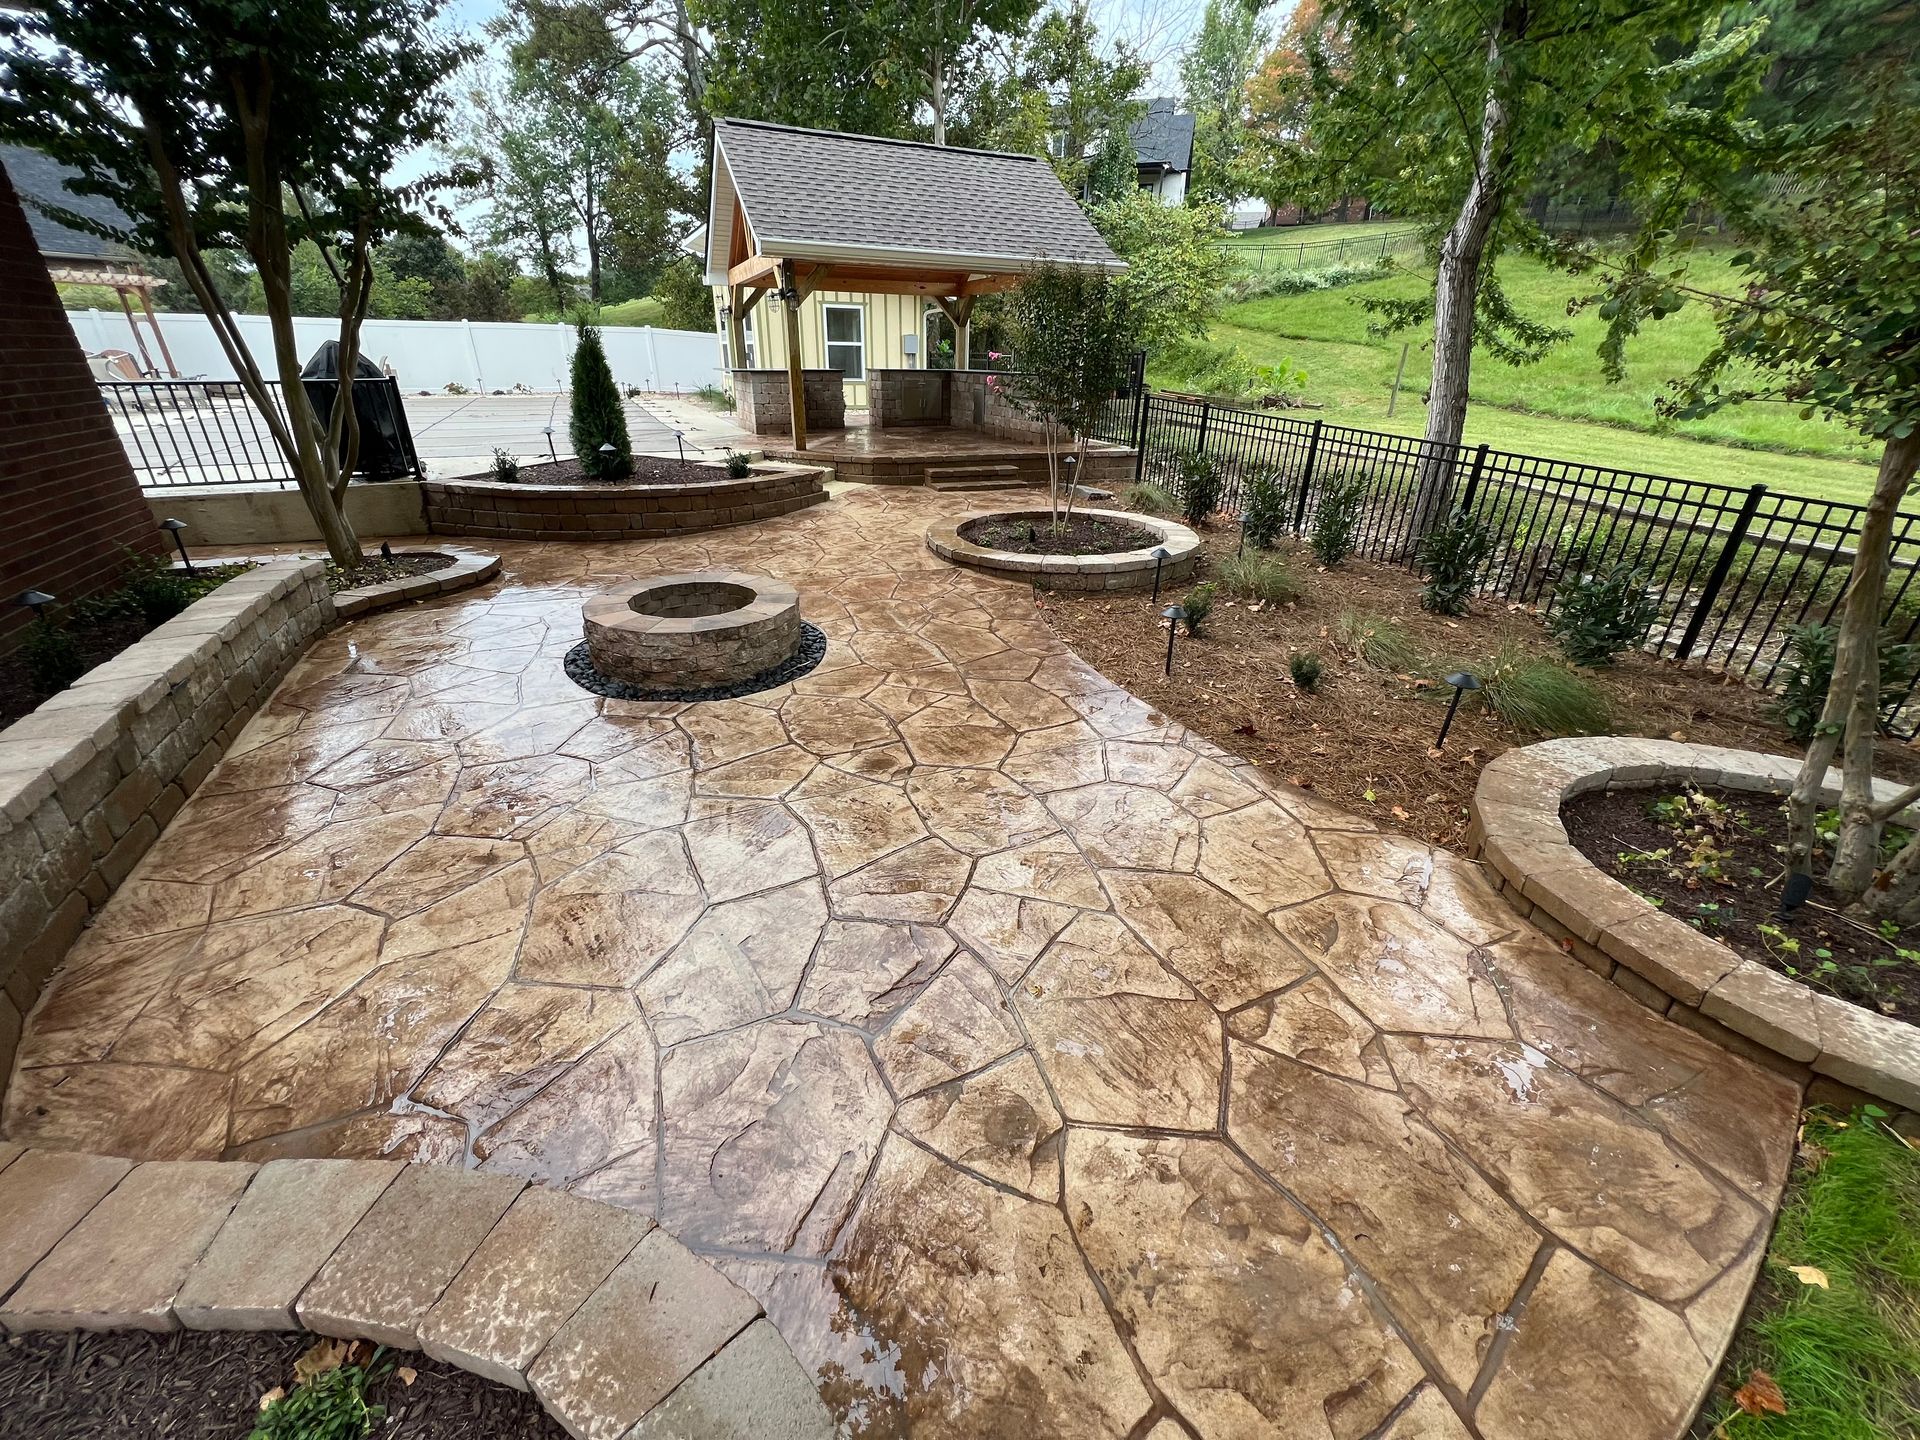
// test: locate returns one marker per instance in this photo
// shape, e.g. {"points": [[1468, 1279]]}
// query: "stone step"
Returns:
{"points": [[979, 477]]}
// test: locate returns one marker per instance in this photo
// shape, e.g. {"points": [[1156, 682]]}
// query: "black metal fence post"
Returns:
{"points": [[1306, 478], [1140, 441], [1721, 567], [1473, 479], [1206, 413]]}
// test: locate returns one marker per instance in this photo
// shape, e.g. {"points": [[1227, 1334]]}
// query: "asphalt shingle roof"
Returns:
{"points": [[821, 188], [41, 180], [1163, 137]]}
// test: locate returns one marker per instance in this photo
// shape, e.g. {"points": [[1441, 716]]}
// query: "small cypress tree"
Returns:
{"points": [[598, 416]]}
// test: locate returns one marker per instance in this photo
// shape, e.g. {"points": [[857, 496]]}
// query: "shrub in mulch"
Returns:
{"points": [[221, 1385], [645, 470]]}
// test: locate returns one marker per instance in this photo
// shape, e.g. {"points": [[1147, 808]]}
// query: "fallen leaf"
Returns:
{"points": [[1761, 1395], [325, 1355], [1367, 795], [276, 1393], [407, 1374], [1809, 1275], [1400, 813]]}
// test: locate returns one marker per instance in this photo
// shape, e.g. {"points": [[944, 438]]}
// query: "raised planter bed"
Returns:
{"points": [[469, 568], [1120, 570], [1657, 958], [618, 512]]}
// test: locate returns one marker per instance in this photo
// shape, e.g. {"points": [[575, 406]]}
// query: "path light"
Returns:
{"points": [[1173, 615], [1461, 681], [680, 439], [1159, 553], [386, 550], [176, 526], [36, 601], [548, 432], [1795, 893]]}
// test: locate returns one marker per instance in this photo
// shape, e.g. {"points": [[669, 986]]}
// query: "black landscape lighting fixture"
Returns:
{"points": [[551, 455], [1173, 615], [174, 527], [1159, 553], [1461, 681], [36, 601], [1794, 894], [386, 550], [680, 439]]}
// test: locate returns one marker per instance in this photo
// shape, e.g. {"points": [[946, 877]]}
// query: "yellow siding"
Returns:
{"points": [[887, 318]]}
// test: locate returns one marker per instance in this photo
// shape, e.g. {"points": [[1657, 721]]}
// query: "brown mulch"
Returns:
{"points": [[647, 470], [207, 1386], [377, 569], [1716, 860], [1079, 536], [1363, 739]]}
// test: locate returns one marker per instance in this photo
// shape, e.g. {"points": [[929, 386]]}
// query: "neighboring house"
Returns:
{"points": [[79, 257], [913, 232], [1163, 150]]}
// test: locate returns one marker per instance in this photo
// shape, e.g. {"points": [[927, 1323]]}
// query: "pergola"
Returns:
{"points": [[793, 211], [78, 257]]}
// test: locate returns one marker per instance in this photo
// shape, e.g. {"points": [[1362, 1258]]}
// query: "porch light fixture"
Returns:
{"points": [[1173, 615], [174, 527], [1461, 681], [1159, 553], [548, 432]]}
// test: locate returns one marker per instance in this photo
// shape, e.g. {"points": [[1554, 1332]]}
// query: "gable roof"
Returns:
{"points": [[41, 180], [1162, 138], [857, 199]]}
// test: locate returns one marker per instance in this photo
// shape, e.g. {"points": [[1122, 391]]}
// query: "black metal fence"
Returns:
{"points": [[1279, 254], [1733, 569], [207, 432]]}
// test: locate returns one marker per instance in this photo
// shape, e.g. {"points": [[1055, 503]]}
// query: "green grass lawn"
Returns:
{"points": [[1560, 407], [1276, 235], [1842, 1338], [644, 311]]}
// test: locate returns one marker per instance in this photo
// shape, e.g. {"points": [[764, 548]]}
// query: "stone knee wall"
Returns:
{"points": [[89, 779], [615, 512], [761, 400], [908, 397]]}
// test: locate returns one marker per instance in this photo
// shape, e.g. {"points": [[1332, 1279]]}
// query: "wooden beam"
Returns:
{"points": [[754, 267], [159, 335], [736, 327], [796, 380]]}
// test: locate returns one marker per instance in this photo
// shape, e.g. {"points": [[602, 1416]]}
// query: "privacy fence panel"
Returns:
{"points": [[1734, 570]]}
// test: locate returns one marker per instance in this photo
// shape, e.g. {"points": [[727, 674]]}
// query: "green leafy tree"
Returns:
{"points": [[804, 62], [597, 416], [1444, 114], [1074, 334], [684, 297], [265, 128], [1114, 172], [486, 291], [1213, 75], [1825, 316], [1177, 270]]}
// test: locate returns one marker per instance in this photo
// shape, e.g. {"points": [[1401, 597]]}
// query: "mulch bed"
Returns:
{"points": [[1716, 859], [207, 1386], [378, 569], [647, 470], [1081, 535], [1362, 740]]}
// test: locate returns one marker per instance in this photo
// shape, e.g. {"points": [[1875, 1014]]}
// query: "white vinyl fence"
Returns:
{"points": [[480, 355]]}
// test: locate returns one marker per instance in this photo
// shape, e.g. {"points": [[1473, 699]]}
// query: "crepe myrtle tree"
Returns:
{"points": [[1074, 333], [1826, 317], [226, 125]]}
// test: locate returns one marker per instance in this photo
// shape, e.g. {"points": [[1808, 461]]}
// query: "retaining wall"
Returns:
{"points": [[617, 512], [88, 781]]}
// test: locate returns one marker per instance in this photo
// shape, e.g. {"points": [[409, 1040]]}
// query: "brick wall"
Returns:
{"points": [[89, 780], [68, 497]]}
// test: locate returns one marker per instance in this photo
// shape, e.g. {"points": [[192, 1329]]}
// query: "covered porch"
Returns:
{"points": [[802, 222]]}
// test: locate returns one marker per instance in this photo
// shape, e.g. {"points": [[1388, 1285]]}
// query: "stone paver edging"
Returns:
{"points": [[619, 512], [469, 568], [1659, 959], [1123, 570], [616, 1327]]}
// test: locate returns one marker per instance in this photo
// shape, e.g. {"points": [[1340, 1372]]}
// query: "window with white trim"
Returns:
{"points": [[846, 327]]}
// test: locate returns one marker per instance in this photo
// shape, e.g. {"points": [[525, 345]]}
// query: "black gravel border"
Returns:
{"points": [[810, 652]]}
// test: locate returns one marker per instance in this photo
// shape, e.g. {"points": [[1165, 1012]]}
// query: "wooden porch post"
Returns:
{"points": [[737, 326], [959, 310], [796, 380], [146, 360]]}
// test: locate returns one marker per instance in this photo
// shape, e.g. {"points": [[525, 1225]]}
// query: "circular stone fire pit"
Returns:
{"points": [[690, 632]]}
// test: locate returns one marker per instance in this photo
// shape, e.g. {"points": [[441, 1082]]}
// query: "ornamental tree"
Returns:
{"points": [[1826, 317], [223, 125], [1075, 332], [598, 417]]}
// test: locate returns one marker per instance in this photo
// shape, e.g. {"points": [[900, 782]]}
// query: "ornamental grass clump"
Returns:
{"points": [[1149, 499], [1538, 697], [1258, 577], [1381, 644], [598, 425]]}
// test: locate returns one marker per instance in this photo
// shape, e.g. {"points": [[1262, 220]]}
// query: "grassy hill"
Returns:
{"points": [[644, 311], [1561, 406]]}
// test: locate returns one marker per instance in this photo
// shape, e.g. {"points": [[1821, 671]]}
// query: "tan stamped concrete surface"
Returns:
{"points": [[1040, 1068]]}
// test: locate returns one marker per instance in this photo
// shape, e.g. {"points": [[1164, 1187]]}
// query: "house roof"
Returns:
{"points": [[857, 199], [41, 181], [1163, 138]]}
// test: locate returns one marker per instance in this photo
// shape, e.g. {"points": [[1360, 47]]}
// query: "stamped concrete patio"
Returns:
{"points": [[1045, 1071]]}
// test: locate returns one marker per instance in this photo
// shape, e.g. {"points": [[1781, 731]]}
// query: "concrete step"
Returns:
{"points": [[979, 477]]}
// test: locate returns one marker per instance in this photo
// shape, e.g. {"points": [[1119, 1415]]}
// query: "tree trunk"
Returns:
{"points": [[1852, 710], [1455, 294]]}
